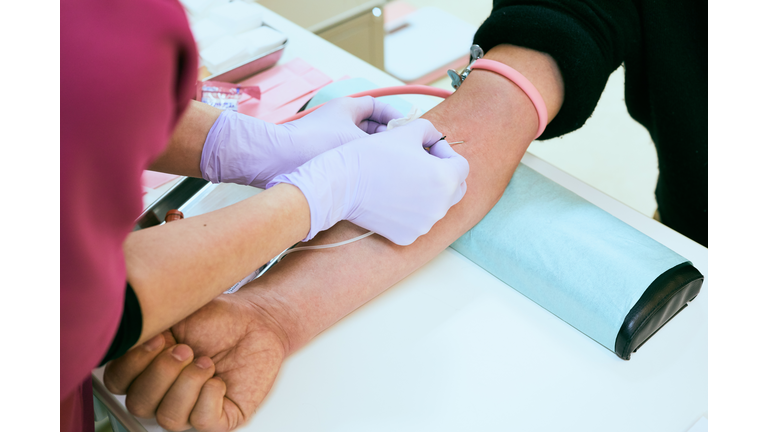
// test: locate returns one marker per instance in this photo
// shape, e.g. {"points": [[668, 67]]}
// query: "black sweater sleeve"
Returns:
{"points": [[588, 40], [129, 331]]}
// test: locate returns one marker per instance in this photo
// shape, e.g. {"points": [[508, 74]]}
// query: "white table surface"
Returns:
{"points": [[452, 348]]}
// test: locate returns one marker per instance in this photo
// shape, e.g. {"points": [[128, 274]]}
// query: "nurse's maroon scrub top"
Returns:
{"points": [[128, 69]]}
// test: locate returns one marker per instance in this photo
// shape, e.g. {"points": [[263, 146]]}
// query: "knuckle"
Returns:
{"points": [[114, 388], [169, 339], [171, 423], [197, 374], [112, 381], [165, 363], [139, 407], [119, 373], [217, 385], [202, 422]]}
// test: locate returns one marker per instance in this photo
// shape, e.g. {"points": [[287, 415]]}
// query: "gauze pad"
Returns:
{"points": [[413, 114]]}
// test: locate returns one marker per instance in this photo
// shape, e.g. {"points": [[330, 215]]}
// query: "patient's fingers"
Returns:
{"points": [[120, 373], [176, 407], [208, 414], [148, 389]]}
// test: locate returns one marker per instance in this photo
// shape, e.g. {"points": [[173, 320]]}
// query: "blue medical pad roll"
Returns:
{"points": [[605, 278]]}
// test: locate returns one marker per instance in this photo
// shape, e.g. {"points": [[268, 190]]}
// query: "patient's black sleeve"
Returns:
{"points": [[663, 47], [129, 331]]}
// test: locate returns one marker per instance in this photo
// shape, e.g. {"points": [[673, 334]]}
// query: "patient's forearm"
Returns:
{"points": [[309, 291]]}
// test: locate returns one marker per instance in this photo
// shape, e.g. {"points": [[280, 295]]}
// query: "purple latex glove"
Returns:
{"points": [[385, 183], [245, 150]]}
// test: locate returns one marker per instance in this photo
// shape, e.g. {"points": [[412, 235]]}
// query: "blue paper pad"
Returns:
{"points": [[566, 254]]}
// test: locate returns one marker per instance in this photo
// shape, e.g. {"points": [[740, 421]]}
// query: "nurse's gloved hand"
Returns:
{"points": [[245, 150], [385, 183]]}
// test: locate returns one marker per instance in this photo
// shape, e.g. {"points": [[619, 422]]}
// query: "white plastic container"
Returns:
{"points": [[261, 40], [236, 17], [224, 54], [196, 9], [207, 32]]}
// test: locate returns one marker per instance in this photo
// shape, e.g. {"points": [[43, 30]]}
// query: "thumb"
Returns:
{"points": [[383, 113], [421, 128], [366, 109], [445, 152]]}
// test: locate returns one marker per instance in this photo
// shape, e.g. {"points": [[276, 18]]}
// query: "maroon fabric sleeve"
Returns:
{"points": [[128, 69]]}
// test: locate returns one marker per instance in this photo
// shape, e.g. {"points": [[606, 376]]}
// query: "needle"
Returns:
{"points": [[453, 143], [450, 144]]}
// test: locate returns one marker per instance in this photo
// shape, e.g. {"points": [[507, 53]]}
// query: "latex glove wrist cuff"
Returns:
{"points": [[319, 195], [209, 164], [238, 149]]}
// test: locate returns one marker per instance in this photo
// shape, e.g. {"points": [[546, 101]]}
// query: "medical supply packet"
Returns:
{"points": [[225, 96]]}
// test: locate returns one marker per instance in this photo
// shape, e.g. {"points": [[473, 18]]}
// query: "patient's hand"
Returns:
{"points": [[247, 347]]}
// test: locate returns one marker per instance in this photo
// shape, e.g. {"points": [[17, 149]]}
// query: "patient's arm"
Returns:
{"points": [[249, 333], [497, 122]]}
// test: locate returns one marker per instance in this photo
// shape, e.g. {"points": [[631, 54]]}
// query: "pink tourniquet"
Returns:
{"points": [[521, 81]]}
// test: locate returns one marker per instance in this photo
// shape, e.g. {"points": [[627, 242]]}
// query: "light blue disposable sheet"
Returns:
{"points": [[566, 254]]}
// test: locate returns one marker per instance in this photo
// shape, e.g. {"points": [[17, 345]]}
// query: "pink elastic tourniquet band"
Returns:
{"points": [[522, 82], [493, 66], [385, 91]]}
